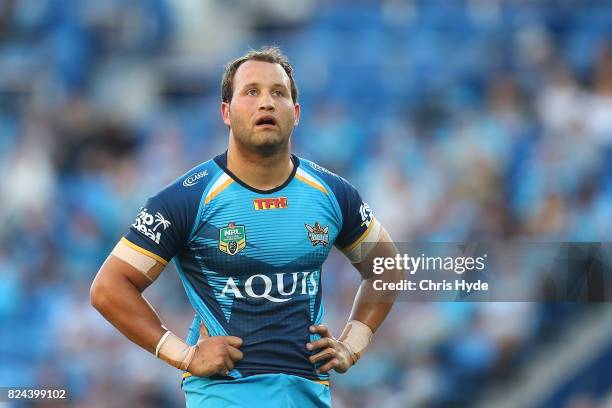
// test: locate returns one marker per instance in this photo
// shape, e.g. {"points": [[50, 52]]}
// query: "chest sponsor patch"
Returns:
{"points": [[232, 239], [270, 203]]}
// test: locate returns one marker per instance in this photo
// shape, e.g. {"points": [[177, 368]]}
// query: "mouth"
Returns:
{"points": [[266, 122]]}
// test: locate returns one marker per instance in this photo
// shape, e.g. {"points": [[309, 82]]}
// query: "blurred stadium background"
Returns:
{"points": [[456, 119]]}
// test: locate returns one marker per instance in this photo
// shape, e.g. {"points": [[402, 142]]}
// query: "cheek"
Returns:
{"points": [[289, 112], [237, 113]]}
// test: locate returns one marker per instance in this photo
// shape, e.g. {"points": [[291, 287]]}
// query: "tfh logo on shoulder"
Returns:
{"points": [[149, 224]]}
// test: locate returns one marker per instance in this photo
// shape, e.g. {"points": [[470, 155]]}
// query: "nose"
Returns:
{"points": [[266, 102]]}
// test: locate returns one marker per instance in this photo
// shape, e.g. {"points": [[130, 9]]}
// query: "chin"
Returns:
{"points": [[270, 139], [270, 145], [265, 143]]}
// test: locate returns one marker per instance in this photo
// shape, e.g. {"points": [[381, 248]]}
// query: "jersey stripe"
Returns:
{"points": [[311, 181], [334, 200], [206, 315], [207, 189], [221, 184], [187, 374], [361, 238]]}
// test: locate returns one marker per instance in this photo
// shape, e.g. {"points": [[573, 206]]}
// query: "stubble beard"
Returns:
{"points": [[246, 139]]}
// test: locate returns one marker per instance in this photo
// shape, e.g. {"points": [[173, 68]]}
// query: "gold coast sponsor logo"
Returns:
{"points": [[150, 225], [232, 239], [277, 288], [270, 203], [193, 179], [318, 234]]}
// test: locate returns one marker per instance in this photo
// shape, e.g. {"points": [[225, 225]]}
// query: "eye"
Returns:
{"points": [[252, 92], [278, 93]]}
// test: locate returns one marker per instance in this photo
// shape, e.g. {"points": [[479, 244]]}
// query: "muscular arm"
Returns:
{"points": [[117, 294], [371, 306]]}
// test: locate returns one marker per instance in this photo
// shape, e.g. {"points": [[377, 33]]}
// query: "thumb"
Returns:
{"points": [[203, 331]]}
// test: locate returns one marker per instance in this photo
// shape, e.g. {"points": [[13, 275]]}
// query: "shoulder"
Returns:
{"points": [[335, 182], [356, 214], [343, 191], [165, 221], [191, 184]]}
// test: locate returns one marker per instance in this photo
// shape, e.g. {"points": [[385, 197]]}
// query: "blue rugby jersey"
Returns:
{"points": [[250, 260]]}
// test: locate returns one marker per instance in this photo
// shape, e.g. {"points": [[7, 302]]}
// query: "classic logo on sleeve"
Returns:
{"points": [[366, 214], [150, 225], [317, 234], [320, 168], [193, 179], [232, 239]]}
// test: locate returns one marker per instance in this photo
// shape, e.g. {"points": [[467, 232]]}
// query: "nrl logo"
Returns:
{"points": [[317, 234], [232, 239]]}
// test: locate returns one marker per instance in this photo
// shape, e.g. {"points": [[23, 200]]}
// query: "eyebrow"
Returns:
{"points": [[257, 84]]}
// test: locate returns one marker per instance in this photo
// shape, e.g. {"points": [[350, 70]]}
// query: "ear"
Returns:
{"points": [[225, 113], [297, 114]]}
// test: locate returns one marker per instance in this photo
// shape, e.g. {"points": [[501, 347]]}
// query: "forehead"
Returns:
{"points": [[261, 72]]}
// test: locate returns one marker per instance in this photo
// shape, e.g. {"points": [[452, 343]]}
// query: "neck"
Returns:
{"points": [[260, 171]]}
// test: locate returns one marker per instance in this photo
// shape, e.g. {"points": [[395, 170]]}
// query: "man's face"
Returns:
{"points": [[261, 114]]}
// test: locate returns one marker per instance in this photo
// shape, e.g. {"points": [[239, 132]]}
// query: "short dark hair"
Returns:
{"points": [[267, 54]]}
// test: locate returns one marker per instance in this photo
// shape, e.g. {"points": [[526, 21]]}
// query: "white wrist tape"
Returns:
{"points": [[356, 337], [175, 351]]}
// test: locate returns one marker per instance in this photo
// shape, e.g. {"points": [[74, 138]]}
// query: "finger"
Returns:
{"points": [[229, 364], [234, 353], [321, 329], [233, 341], [324, 342], [325, 368], [203, 331], [324, 355]]}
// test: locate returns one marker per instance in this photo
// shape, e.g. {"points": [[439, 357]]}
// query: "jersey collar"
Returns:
{"points": [[221, 161]]}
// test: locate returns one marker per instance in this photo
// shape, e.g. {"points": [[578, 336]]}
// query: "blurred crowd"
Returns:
{"points": [[456, 120]]}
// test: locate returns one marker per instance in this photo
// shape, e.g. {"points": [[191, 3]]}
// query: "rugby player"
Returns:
{"points": [[249, 231]]}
